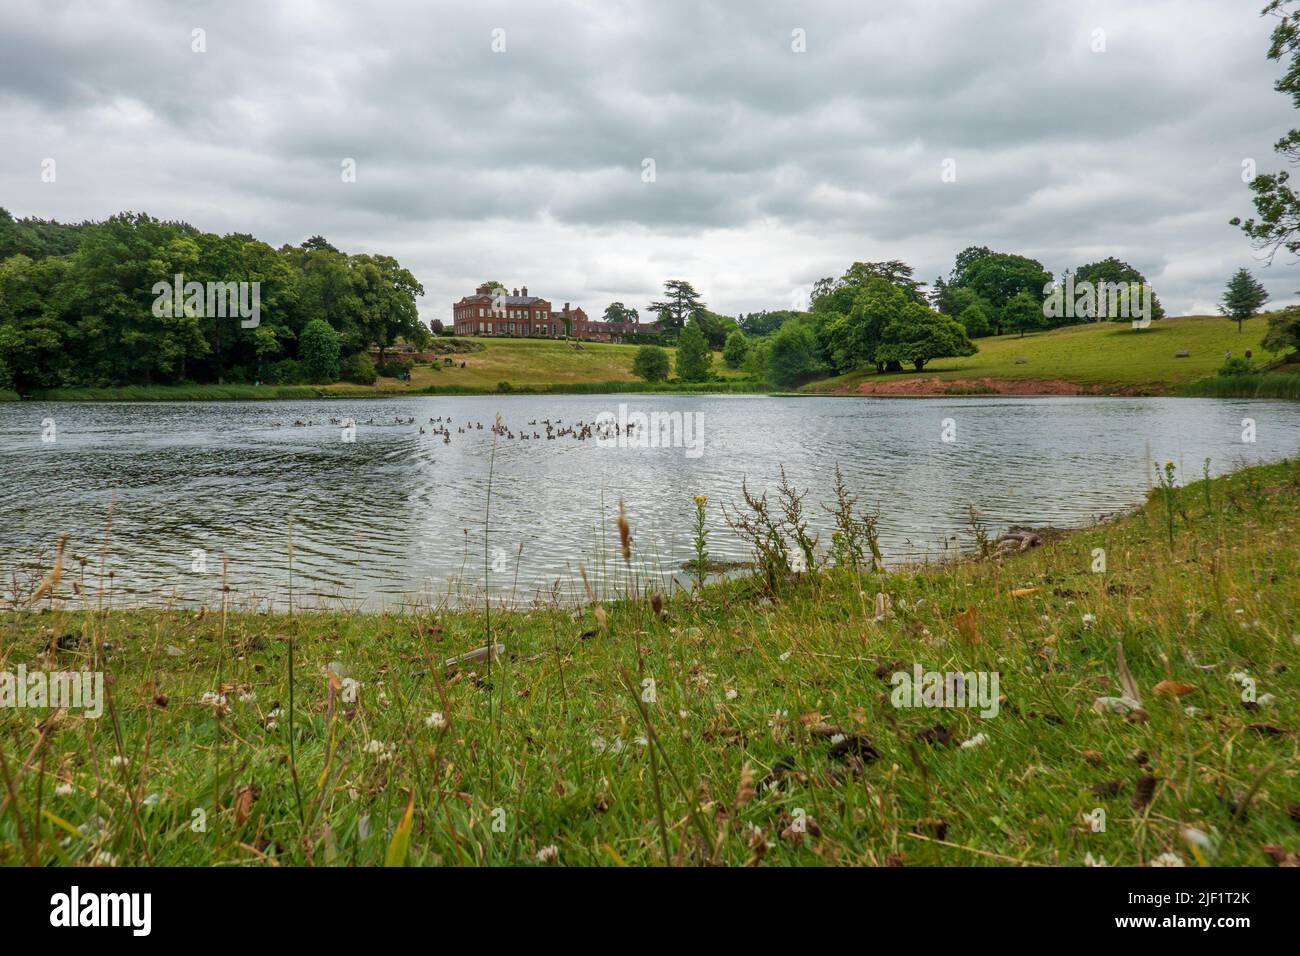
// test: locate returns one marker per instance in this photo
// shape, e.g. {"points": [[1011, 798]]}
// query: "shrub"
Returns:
{"points": [[1236, 365], [505, 387], [394, 368], [650, 363], [359, 369], [286, 372]]}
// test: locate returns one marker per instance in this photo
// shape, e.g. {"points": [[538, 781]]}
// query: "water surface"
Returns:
{"points": [[390, 518]]}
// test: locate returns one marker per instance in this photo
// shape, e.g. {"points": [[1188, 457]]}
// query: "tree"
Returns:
{"points": [[618, 312], [737, 347], [694, 358], [318, 349], [920, 334], [1283, 330], [1244, 296], [1023, 313], [1000, 277], [1276, 203], [975, 320], [851, 340], [387, 295], [680, 303], [792, 356], [651, 363], [1120, 273]]}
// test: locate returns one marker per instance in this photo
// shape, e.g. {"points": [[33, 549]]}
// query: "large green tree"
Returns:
{"points": [[680, 303], [919, 334]]}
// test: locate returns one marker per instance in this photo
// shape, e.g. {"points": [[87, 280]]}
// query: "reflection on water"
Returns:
{"points": [[392, 516]]}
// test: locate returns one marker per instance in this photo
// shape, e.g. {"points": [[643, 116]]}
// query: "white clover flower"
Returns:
{"points": [[548, 854], [837, 739], [598, 744], [435, 720], [119, 761], [785, 656], [63, 790], [1089, 620], [979, 740], [731, 694], [1168, 859], [210, 699], [380, 749], [104, 858], [248, 697]]}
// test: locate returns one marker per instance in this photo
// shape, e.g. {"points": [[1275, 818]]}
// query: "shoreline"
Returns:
{"points": [[761, 704]]}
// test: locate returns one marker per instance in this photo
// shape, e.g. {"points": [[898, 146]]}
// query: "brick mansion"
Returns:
{"points": [[495, 311]]}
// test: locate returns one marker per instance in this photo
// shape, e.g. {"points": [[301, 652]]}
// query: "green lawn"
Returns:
{"points": [[540, 362], [1108, 355], [770, 734]]}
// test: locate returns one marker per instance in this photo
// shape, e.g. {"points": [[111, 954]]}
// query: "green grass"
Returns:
{"points": [[7, 396], [537, 365], [1108, 356], [547, 744]]}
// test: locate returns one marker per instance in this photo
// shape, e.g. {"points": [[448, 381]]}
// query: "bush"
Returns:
{"points": [[793, 355], [359, 369], [1236, 365], [318, 350], [734, 352], [650, 363], [505, 387], [394, 368], [286, 372]]}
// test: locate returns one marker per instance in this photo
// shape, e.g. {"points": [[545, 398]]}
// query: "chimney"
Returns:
{"points": [[515, 293], [525, 290], [566, 307]]}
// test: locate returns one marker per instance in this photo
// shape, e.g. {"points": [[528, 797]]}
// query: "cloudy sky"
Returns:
{"points": [[509, 140]]}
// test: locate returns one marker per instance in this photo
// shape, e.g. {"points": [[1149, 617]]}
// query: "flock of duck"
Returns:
{"points": [[440, 427]]}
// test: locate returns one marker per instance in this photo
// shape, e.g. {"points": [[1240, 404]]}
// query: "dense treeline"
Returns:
{"points": [[878, 316], [77, 307]]}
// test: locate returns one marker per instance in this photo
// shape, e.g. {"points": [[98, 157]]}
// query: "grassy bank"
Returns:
{"points": [[1102, 357], [768, 735], [1095, 358], [524, 365]]}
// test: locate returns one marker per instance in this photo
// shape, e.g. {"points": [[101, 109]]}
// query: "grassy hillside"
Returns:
{"points": [[1103, 356], [771, 735], [524, 363]]}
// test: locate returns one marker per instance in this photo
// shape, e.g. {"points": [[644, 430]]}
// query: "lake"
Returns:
{"points": [[393, 517]]}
